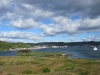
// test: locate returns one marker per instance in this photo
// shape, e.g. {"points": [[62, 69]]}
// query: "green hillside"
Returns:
{"points": [[7, 45]]}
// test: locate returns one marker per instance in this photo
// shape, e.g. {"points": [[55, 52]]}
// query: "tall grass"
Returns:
{"points": [[27, 72]]}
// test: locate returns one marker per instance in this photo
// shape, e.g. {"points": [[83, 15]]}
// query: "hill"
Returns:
{"points": [[87, 43], [7, 45]]}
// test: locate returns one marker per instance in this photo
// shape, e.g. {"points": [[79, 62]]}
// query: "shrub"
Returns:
{"points": [[80, 72], [46, 70], [27, 72]]}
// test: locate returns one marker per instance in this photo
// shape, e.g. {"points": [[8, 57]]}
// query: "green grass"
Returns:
{"points": [[66, 65], [40, 54]]}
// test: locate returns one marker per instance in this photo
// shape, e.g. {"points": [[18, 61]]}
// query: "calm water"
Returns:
{"points": [[8, 53], [79, 52]]}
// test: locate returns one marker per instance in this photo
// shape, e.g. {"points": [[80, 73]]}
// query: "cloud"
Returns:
{"points": [[72, 40], [91, 38], [90, 25], [23, 24], [5, 7], [48, 30], [10, 40], [23, 16], [26, 14], [45, 8], [67, 7], [27, 11], [63, 25], [20, 35]]}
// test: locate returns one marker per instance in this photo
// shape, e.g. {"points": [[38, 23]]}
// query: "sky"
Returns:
{"points": [[33, 21]]}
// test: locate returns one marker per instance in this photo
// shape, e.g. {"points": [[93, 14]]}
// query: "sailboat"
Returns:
{"points": [[95, 48]]}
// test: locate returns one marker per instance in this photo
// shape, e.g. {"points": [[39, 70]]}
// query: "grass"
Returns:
{"points": [[27, 72], [66, 65], [40, 54], [10, 74], [58, 65]]}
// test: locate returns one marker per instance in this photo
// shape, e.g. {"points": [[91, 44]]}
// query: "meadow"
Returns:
{"points": [[38, 63]]}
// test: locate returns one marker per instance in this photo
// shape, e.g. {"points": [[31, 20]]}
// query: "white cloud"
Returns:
{"points": [[62, 25], [20, 35], [24, 24], [91, 38], [48, 30], [72, 40], [11, 40], [10, 15], [28, 6], [26, 14], [24, 17], [65, 24], [90, 25]]}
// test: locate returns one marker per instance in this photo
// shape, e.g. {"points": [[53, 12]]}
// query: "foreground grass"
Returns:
{"points": [[57, 65]]}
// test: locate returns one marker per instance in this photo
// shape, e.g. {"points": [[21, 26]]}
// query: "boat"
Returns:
{"points": [[95, 48]]}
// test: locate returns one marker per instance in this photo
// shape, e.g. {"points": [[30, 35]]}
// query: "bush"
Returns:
{"points": [[45, 70], [80, 72], [27, 72]]}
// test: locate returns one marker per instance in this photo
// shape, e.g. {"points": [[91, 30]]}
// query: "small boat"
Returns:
{"points": [[95, 48]]}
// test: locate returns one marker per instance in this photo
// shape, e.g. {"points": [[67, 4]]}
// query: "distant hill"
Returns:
{"points": [[88, 43]]}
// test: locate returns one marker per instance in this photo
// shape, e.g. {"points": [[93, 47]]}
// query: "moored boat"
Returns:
{"points": [[95, 48]]}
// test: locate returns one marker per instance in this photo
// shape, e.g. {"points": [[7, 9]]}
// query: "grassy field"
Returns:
{"points": [[52, 65], [40, 54]]}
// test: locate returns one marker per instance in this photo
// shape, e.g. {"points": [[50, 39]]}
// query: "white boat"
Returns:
{"points": [[95, 48]]}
